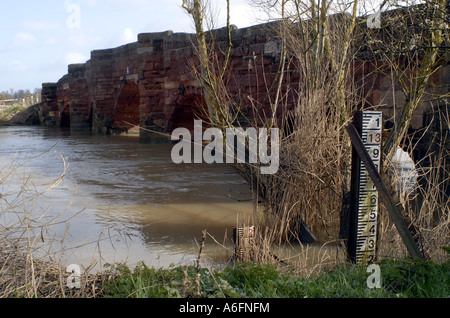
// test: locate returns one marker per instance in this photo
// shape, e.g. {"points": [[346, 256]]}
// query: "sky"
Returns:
{"points": [[39, 39]]}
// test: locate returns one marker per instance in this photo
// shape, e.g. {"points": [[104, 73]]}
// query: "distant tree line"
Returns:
{"points": [[18, 94]]}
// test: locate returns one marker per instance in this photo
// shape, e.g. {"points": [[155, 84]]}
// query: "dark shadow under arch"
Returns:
{"points": [[65, 117], [126, 111], [188, 108]]}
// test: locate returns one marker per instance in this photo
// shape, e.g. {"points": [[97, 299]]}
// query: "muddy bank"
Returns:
{"points": [[27, 116]]}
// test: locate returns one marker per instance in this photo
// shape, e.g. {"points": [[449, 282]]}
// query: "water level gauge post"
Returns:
{"points": [[364, 194]]}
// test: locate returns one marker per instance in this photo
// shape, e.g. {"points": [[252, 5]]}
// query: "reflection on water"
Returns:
{"points": [[124, 201]]}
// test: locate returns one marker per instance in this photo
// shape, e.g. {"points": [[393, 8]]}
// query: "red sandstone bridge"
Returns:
{"points": [[149, 84]]}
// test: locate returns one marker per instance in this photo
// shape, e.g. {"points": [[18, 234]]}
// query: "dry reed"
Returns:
{"points": [[29, 265], [427, 204], [311, 99]]}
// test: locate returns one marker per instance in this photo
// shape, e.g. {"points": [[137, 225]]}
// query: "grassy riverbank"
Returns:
{"points": [[19, 115], [401, 278], [7, 114], [398, 278]]}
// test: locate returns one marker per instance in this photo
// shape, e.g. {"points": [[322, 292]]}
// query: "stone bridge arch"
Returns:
{"points": [[63, 103], [187, 108], [65, 116], [188, 104], [126, 113]]}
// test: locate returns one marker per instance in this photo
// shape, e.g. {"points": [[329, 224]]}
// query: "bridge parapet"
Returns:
{"points": [[152, 81]]}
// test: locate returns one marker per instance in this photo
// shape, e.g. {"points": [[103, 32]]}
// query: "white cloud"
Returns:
{"points": [[50, 41], [243, 15], [22, 39], [40, 25], [17, 66], [127, 36], [78, 39], [140, 3], [74, 58]]}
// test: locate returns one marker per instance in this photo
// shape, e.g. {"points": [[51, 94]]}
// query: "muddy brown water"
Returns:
{"points": [[119, 201]]}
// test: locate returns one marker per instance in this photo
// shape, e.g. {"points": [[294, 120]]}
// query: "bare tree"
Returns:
{"points": [[308, 100], [413, 41], [313, 96]]}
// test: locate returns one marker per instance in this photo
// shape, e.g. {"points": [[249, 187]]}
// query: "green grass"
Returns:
{"points": [[7, 114], [403, 278], [11, 111]]}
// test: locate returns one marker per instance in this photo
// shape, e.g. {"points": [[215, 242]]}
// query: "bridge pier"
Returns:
{"points": [[150, 84]]}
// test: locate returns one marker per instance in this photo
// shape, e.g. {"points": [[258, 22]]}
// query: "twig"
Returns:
{"points": [[199, 266]]}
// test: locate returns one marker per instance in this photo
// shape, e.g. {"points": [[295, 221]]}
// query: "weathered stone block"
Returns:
{"points": [[166, 91]]}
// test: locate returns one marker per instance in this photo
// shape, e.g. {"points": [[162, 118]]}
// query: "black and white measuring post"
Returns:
{"points": [[364, 194]]}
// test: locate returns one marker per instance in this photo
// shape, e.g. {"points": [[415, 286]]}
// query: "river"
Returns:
{"points": [[119, 200]]}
